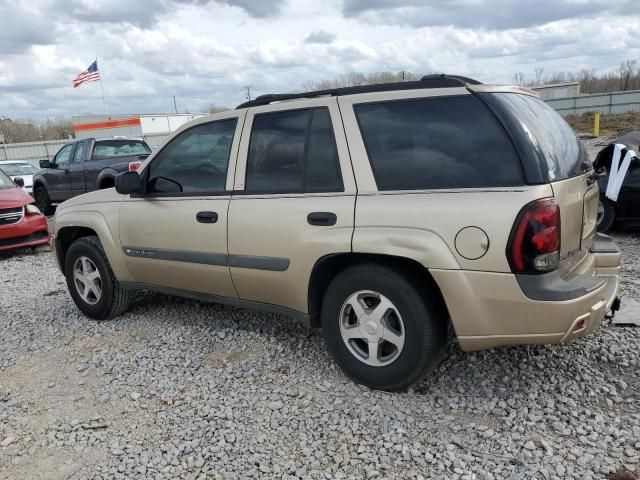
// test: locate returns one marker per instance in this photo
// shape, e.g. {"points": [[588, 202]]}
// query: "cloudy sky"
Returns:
{"points": [[205, 51]]}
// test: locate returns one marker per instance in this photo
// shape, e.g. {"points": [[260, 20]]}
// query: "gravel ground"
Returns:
{"points": [[181, 389]]}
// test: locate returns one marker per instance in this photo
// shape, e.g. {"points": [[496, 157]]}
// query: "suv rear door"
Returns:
{"points": [[293, 200], [174, 234]]}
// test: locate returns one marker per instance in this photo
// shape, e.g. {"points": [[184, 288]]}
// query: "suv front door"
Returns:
{"points": [[293, 200], [174, 234]]}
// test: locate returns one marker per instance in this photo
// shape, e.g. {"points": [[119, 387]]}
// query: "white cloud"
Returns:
{"points": [[204, 52]]}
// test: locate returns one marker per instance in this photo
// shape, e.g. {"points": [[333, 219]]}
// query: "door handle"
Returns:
{"points": [[323, 219], [207, 217]]}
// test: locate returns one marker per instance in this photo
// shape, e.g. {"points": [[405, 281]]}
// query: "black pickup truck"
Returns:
{"points": [[83, 166]]}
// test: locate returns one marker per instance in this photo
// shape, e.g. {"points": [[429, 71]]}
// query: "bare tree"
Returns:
{"points": [[216, 109], [538, 71], [518, 78], [355, 79]]}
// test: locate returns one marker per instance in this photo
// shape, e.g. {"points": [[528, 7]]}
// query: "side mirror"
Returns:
{"points": [[45, 164], [128, 182], [19, 182]]}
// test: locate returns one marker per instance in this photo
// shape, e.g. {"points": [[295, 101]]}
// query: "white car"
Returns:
{"points": [[22, 169]]}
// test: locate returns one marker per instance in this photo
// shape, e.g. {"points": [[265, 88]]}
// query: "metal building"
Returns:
{"points": [[557, 90], [138, 125]]}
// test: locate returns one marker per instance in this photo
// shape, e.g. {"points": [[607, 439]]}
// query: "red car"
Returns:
{"points": [[21, 222]]}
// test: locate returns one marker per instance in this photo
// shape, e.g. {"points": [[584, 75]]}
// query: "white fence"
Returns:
{"points": [[605, 103]]}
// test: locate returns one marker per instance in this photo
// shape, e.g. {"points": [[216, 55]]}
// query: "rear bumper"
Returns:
{"points": [[493, 309], [31, 231]]}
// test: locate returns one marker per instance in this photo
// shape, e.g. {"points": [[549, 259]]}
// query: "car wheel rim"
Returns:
{"points": [[600, 213], [372, 328], [87, 280]]}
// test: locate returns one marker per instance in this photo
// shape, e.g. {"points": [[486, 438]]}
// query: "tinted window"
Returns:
{"points": [[77, 156], [448, 142], [63, 155], [293, 151], [119, 148], [194, 161], [557, 146]]}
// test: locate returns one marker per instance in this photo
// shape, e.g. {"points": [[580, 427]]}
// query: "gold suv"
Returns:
{"points": [[379, 213]]}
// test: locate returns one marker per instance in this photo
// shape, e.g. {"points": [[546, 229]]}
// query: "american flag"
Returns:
{"points": [[91, 74]]}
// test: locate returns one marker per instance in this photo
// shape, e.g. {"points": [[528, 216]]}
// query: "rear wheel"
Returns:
{"points": [[91, 282], [43, 202], [606, 215], [381, 330]]}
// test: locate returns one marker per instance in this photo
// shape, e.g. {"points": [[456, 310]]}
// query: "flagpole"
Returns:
{"points": [[104, 101]]}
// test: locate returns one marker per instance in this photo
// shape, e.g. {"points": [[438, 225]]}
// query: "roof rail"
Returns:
{"points": [[439, 80]]}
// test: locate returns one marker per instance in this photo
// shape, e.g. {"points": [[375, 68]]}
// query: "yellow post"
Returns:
{"points": [[596, 125]]}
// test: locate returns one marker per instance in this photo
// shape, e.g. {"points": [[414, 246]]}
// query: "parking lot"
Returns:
{"points": [[181, 389]]}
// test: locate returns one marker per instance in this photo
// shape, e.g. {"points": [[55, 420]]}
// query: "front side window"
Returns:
{"points": [[432, 143], [195, 161], [293, 151], [64, 155], [119, 148]]}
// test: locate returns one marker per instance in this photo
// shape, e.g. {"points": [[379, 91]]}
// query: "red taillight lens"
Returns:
{"points": [[134, 166], [534, 245]]}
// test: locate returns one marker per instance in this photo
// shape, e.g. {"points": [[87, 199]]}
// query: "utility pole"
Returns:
{"points": [[175, 105], [247, 92]]}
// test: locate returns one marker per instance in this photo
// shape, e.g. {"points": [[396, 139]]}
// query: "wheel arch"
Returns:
{"points": [[327, 267], [106, 178], [90, 223]]}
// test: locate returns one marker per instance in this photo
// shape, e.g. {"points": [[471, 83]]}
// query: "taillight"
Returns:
{"points": [[134, 166], [534, 244]]}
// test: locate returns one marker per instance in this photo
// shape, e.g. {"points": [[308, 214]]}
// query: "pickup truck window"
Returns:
{"points": [[77, 156], [194, 161], [63, 155], [119, 148]]}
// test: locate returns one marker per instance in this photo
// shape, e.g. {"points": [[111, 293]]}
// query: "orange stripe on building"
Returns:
{"points": [[123, 122]]}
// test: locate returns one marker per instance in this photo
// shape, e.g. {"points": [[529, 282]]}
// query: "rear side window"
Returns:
{"points": [[448, 142], [293, 151], [556, 145]]}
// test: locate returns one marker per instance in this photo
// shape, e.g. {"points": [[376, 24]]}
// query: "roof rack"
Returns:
{"points": [[438, 80]]}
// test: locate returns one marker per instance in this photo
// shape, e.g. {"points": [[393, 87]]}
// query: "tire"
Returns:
{"points": [[413, 313], [606, 215], [43, 202], [112, 300]]}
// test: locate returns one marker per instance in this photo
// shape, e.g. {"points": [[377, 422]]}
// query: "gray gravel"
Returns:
{"points": [[180, 389]]}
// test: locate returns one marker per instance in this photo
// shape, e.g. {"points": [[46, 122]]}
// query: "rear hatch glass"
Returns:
{"points": [[565, 164]]}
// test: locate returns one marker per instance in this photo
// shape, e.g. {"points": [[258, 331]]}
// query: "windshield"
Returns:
{"points": [[17, 169], [120, 148], [5, 181], [556, 144]]}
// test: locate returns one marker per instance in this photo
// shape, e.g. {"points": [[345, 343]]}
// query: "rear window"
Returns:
{"points": [[444, 142], [556, 145], [119, 148]]}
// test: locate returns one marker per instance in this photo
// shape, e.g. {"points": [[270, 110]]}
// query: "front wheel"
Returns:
{"points": [[91, 282], [43, 202], [381, 330]]}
